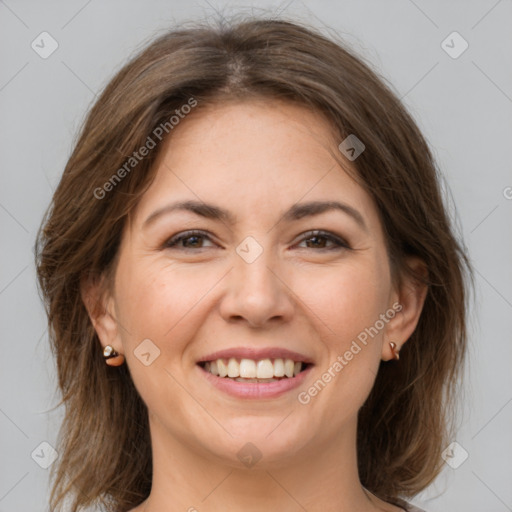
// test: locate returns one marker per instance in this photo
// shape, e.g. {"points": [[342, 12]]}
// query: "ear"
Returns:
{"points": [[100, 307], [409, 297]]}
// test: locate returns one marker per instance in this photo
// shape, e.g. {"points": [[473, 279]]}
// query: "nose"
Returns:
{"points": [[257, 293]]}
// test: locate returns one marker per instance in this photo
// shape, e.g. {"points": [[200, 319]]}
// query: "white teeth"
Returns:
{"points": [[249, 370], [221, 368], [264, 369], [233, 368], [255, 380], [279, 368], [289, 366]]}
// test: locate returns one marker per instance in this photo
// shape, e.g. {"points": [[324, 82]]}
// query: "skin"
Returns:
{"points": [[256, 159]]}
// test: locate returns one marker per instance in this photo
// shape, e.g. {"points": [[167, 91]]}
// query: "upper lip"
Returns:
{"points": [[256, 354]]}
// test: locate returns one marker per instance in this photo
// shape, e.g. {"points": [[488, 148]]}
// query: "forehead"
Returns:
{"points": [[254, 132], [255, 156]]}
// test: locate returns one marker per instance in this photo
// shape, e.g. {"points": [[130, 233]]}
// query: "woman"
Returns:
{"points": [[255, 297]]}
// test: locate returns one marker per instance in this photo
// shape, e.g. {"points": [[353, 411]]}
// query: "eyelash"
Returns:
{"points": [[340, 244]]}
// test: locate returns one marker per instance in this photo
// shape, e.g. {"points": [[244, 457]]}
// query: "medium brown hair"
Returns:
{"points": [[407, 420]]}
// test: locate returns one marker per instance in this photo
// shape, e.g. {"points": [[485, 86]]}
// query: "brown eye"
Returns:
{"points": [[190, 239], [320, 239]]}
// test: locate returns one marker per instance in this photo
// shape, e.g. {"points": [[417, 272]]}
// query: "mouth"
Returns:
{"points": [[251, 374], [254, 371]]}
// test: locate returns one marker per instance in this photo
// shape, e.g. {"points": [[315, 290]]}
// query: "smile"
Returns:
{"points": [[263, 376], [254, 371]]}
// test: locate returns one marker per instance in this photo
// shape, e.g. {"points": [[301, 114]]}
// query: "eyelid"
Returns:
{"points": [[175, 239], [338, 241]]}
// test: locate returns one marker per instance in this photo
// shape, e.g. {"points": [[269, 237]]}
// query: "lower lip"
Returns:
{"points": [[255, 390]]}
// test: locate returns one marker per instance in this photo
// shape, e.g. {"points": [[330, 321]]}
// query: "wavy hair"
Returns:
{"points": [[408, 418]]}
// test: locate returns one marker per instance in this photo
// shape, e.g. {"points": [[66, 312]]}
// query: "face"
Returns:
{"points": [[268, 278]]}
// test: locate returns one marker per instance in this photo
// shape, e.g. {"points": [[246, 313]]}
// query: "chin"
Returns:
{"points": [[270, 440]]}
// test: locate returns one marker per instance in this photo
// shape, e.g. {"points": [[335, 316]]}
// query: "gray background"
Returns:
{"points": [[463, 105]]}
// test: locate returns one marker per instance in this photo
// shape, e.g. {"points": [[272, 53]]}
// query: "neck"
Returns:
{"points": [[317, 477]]}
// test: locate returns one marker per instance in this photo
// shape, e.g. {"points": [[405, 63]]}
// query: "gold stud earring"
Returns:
{"points": [[112, 358], [394, 350]]}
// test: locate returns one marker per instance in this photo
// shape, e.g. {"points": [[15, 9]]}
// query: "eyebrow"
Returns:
{"points": [[295, 212]]}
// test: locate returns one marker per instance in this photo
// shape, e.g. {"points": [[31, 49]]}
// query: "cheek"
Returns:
{"points": [[163, 303], [346, 299], [350, 303], [346, 304]]}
